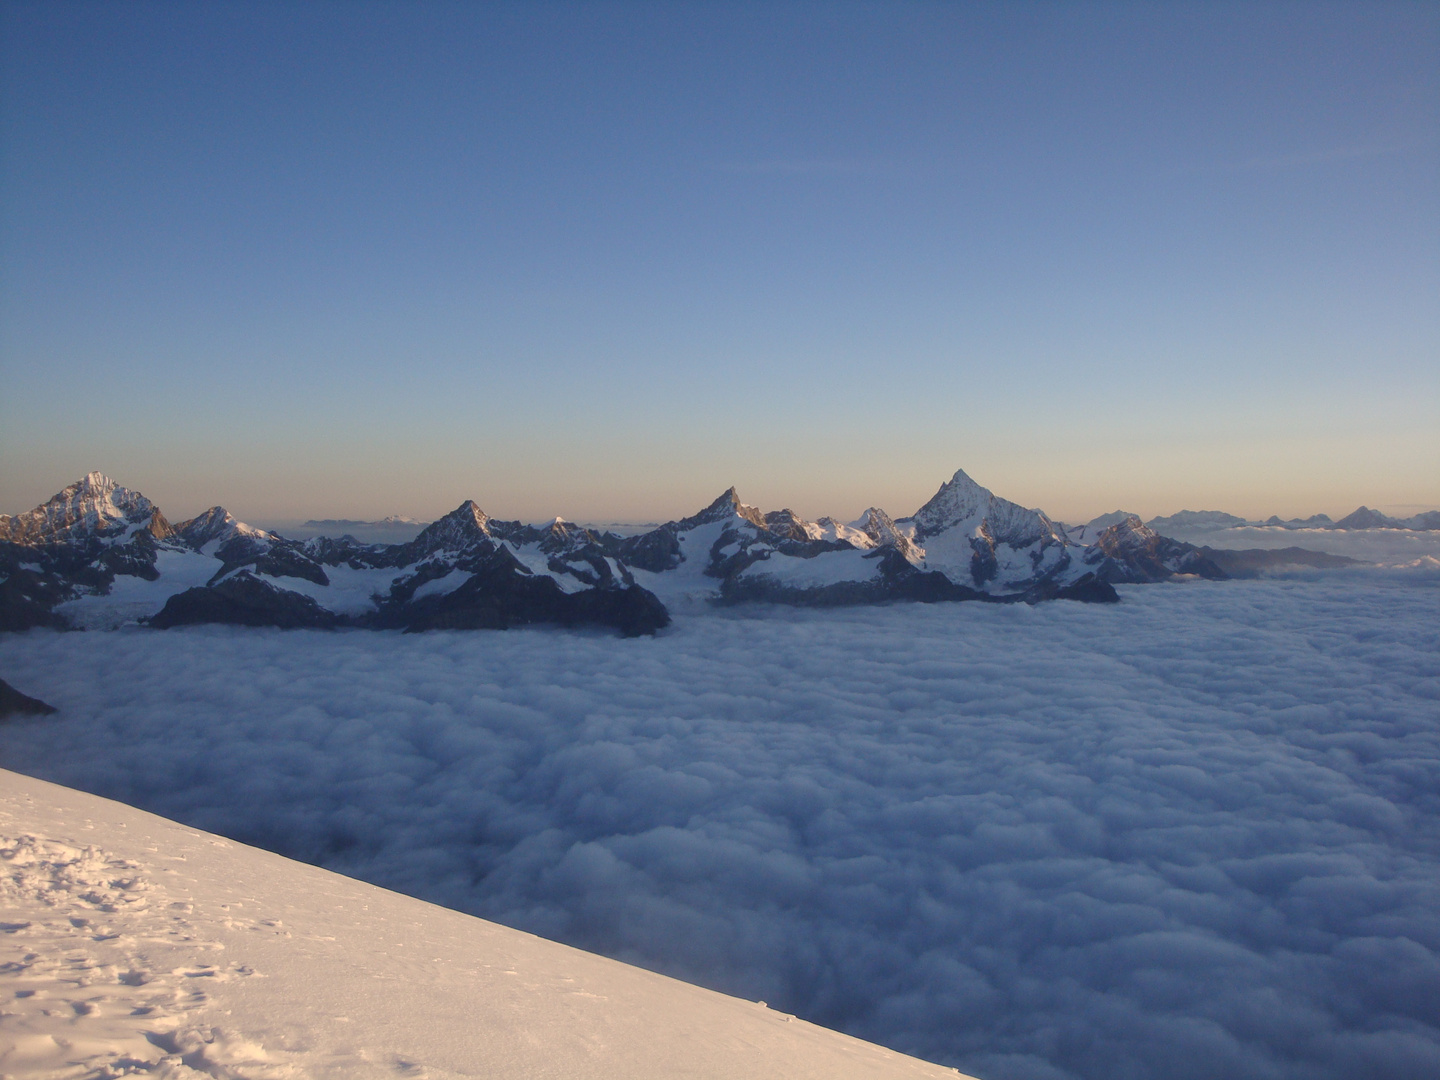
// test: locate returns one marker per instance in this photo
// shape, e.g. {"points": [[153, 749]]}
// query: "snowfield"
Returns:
{"points": [[135, 946], [1192, 835]]}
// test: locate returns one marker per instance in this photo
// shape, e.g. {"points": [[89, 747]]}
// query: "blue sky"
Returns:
{"points": [[605, 260]]}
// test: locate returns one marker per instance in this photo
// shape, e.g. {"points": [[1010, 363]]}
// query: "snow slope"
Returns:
{"points": [[133, 944]]}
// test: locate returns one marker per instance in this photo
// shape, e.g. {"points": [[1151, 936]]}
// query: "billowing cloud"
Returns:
{"points": [[1193, 835]]}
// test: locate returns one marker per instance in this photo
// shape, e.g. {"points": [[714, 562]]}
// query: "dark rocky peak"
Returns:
{"points": [[464, 527], [334, 550], [561, 536], [204, 527], [788, 525], [244, 600], [1132, 551], [959, 498], [1126, 537], [554, 537], [217, 523], [14, 703], [657, 550], [723, 508], [1365, 518], [95, 507]]}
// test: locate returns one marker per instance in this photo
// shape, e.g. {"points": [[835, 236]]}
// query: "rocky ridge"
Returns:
{"points": [[99, 554]]}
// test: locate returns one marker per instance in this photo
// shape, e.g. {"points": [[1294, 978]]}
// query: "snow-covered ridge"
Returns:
{"points": [[134, 945], [94, 505], [98, 554]]}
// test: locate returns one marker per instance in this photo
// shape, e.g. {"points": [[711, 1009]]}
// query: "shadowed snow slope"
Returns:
{"points": [[1193, 836], [132, 944]]}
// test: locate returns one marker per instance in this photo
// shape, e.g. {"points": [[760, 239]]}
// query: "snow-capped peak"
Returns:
{"points": [[463, 526], [878, 526], [217, 523], [95, 505], [961, 501], [723, 508], [1126, 535]]}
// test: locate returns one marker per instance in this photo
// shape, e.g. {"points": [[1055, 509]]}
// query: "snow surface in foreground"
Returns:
{"points": [[1192, 835], [133, 945]]}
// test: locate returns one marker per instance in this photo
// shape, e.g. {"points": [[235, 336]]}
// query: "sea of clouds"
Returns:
{"points": [[1192, 835]]}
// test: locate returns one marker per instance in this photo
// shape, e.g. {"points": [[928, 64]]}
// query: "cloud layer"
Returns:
{"points": [[1194, 835]]}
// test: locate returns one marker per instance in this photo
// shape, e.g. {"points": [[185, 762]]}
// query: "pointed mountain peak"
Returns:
{"points": [[723, 508], [1132, 523], [874, 518], [961, 501], [880, 527], [1125, 536], [726, 503], [962, 480], [94, 505], [1365, 518], [469, 516], [465, 525], [94, 483], [792, 526], [217, 523]]}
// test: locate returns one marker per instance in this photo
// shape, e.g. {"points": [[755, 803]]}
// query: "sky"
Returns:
{"points": [[605, 260]]}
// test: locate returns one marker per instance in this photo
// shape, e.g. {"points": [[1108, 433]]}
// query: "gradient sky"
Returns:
{"points": [[605, 260]]}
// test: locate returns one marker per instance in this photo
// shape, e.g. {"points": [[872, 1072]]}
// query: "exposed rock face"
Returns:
{"points": [[961, 501], [788, 525], [95, 507], [462, 570], [28, 596], [656, 551], [1003, 547], [217, 524], [14, 703], [244, 600], [464, 526], [1365, 518], [876, 524], [723, 508], [500, 593], [469, 570], [1132, 552]]}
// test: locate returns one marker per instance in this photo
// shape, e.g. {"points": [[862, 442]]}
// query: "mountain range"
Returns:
{"points": [[99, 554], [1361, 518]]}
